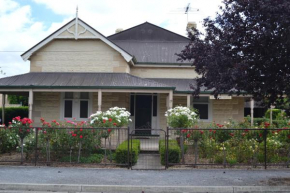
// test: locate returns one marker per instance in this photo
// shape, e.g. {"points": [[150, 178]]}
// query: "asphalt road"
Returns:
{"points": [[188, 177]]}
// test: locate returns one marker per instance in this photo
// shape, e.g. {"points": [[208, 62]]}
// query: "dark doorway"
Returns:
{"points": [[143, 114]]}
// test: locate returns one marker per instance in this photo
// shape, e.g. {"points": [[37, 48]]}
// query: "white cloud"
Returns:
{"points": [[19, 31]]}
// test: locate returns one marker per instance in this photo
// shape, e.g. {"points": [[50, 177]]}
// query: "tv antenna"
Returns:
{"points": [[186, 10]]}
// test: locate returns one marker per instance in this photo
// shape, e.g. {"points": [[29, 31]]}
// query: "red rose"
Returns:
{"points": [[109, 130], [201, 132], [260, 134], [81, 129], [188, 135], [28, 130], [214, 131], [231, 134], [81, 136], [44, 132], [210, 130], [115, 124], [110, 119], [104, 121], [183, 131]]}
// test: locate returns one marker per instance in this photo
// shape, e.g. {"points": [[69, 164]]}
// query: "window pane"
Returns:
{"points": [[84, 106], [202, 110], [201, 100], [154, 106], [69, 95], [132, 104], [68, 108], [84, 95]]}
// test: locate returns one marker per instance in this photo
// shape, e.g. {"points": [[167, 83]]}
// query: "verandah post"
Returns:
{"points": [[3, 108]]}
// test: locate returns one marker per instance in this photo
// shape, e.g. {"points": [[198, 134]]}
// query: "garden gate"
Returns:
{"points": [[147, 149]]}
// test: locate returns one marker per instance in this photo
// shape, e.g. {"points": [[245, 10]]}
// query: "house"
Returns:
{"points": [[76, 71]]}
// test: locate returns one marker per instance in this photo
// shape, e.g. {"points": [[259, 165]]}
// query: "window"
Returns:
{"points": [[76, 105], [202, 104]]}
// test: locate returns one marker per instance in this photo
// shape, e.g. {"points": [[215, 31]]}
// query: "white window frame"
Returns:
{"points": [[209, 105], [75, 106]]}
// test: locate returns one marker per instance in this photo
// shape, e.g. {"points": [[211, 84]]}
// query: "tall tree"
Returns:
{"points": [[245, 49]]}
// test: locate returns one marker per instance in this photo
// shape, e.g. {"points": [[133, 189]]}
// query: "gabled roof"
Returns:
{"points": [[151, 44], [77, 34], [67, 80], [148, 32]]}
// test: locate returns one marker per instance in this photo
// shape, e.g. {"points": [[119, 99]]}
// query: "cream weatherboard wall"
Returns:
{"points": [[46, 105], [78, 56], [111, 100], [164, 72], [223, 110]]}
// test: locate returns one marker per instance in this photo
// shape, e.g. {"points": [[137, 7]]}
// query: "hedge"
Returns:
{"points": [[11, 112], [259, 121], [173, 151], [122, 152], [275, 113]]}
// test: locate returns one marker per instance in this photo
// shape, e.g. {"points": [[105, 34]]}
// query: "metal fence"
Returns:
{"points": [[62, 146], [221, 147], [147, 149], [151, 145]]}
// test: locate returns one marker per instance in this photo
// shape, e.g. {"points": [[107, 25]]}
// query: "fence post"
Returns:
{"points": [[182, 146], [265, 148], [36, 143], [166, 146], [128, 139]]}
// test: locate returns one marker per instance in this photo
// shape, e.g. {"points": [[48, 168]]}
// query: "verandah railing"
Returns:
{"points": [[229, 147], [65, 145]]}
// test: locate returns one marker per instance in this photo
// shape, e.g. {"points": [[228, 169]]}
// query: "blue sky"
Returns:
{"points": [[24, 23], [40, 13]]}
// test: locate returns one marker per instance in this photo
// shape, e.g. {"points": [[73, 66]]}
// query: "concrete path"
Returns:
{"points": [[148, 162]]}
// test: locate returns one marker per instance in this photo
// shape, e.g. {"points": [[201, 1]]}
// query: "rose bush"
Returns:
{"points": [[181, 117]]}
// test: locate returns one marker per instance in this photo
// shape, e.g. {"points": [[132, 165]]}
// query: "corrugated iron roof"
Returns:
{"points": [[83, 80], [149, 43], [79, 80], [147, 32], [153, 51], [181, 85]]}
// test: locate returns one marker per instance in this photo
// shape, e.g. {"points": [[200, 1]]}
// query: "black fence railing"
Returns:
{"points": [[62, 146], [228, 147], [147, 148]]}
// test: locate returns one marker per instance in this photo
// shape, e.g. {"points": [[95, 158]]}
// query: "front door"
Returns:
{"points": [[143, 114]]}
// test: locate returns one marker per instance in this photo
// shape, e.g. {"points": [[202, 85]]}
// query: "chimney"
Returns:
{"points": [[119, 30], [190, 26]]}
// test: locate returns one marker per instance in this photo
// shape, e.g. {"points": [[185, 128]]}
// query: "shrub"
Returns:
{"points": [[11, 112], [122, 152], [276, 113], [8, 140], [173, 151], [181, 117]]}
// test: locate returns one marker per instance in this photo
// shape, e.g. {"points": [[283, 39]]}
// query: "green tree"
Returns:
{"points": [[245, 49]]}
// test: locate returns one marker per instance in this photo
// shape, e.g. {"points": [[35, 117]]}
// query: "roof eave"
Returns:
{"points": [[87, 87]]}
